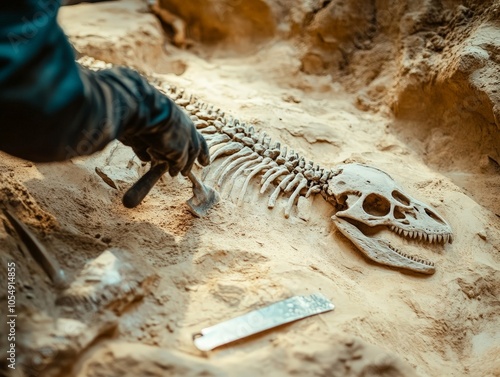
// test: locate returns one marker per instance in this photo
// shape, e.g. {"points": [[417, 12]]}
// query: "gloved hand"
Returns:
{"points": [[175, 141]]}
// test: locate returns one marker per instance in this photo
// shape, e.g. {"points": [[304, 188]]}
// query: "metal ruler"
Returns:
{"points": [[263, 319]]}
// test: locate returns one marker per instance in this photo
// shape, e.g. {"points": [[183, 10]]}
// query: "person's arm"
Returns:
{"points": [[51, 109]]}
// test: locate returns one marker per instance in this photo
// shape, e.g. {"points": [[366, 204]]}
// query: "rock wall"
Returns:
{"points": [[434, 65]]}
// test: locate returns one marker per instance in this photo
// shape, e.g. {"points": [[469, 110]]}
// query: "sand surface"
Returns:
{"points": [[199, 272]]}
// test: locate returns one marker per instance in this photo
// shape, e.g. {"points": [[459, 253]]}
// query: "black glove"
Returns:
{"points": [[175, 141]]}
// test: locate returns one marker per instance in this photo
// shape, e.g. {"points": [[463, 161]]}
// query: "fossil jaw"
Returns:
{"points": [[381, 251]]}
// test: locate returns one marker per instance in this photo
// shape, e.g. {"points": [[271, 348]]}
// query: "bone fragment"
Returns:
{"points": [[226, 150], [313, 190], [266, 164], [218, 123], [234, 164], [240, 170], [272, 200], [208, 130], [298, 178], [291, 201], [243, 152], [231, 131], [248, 141], [217, 139], [281, 170], [269, 172], [262, 137], [260, 149], [200, 124]]}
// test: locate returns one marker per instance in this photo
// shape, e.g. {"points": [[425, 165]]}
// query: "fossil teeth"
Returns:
{"points": [[405, 233]]}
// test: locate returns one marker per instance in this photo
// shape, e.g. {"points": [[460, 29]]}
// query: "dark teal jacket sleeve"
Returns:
{"points": [[52, 109]]}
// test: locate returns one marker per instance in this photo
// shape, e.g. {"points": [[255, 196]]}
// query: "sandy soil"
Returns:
{"points": [[198, 272]]}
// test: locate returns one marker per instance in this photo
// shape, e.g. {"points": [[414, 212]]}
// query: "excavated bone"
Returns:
{"points": [[218, 124], [272, 199], [299, 177], [267, 163], [260, 149], [217, 139], [281, 170], [272, 153], [262, 137], [313, 190], [200, 124], [240, 170], [230, 131], [248, 141], [364, 197], [302, 184], [269, 173], [290, 165], [226, 150], [235, 164], [243, 152], [209, 130]]}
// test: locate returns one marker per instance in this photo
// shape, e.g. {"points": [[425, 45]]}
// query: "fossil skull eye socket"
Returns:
{"points": [[400, 198], [433, 216], [376, 205]]}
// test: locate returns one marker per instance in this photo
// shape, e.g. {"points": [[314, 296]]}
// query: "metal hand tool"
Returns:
{"points": [[203, 198]]}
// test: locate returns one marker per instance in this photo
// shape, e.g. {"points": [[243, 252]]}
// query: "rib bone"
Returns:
{"points": [[291, 200], [277, 190], [266, 164], [217, 139], [243, 152], [234, 164], [281, 170], [240, 170], [226, 150]]}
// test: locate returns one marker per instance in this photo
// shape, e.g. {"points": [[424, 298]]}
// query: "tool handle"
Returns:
{"points": [[134, 195]]}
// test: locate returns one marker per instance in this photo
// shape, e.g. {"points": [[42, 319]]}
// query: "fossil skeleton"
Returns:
{"points": [[364, 197]]}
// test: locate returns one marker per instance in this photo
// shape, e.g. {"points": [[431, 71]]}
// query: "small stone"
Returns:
{"points": [[106, 240], [304, 208], [482, 234]]}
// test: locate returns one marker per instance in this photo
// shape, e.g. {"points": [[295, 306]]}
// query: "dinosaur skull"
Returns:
{"points": [[367, 198]]}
